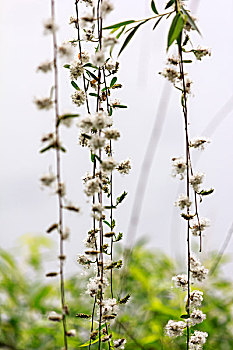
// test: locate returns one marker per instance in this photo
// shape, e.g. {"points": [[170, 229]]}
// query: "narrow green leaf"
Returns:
{"points": [[184, 316], [119, 237], [67, 66], [93, 94], [110, 207], [110, 111], [121, 32], [119, 106], [107, 223], [66, 116], [157, 22], [113, 81], [121, 198], [190, 20], [46, 148], [92, 75], [90, 65], [187, 61], [169, 4], [120, 24], [154, 9], [129, 37], [175, 29], [75, 85], [206, 193]]}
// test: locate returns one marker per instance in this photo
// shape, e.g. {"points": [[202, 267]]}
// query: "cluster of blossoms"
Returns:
{"points": [[51, 141], [93, 75], [182, 168]]}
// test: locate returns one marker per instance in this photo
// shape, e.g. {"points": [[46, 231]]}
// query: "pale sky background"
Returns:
{"points": [[24, 208]]}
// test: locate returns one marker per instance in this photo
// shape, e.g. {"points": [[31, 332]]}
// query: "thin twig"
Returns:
{"points": [[58, 176]]}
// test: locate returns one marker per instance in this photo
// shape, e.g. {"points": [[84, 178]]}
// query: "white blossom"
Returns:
{"points": [[49, 26], [76, 70], [109, 41], [101, 120], [88, 18], [65, 50], [47, 179], [197, 340], [183, 202], [198, 271], [71, 333], [199, 142], [181, 281], [86, 123], [106, 7], [196, 180], [98, 58], [43, 103], [83, 260], [119, 343], [45, 67], [196, 298], [95, 284], [92, 186], [198, 227], [78, 97], [171, 74], [112, 134], [175, 328], [201, 52], [53, 316], [108, 164], [197, 317], [124, 167], [96, 142], [179, 167], [84, 57]]}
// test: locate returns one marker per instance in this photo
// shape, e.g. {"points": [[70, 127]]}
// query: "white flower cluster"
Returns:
{"points": [[199, 272], [175, 328]]}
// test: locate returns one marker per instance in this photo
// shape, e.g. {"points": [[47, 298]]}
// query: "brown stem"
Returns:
{"points": [[58, 176]]}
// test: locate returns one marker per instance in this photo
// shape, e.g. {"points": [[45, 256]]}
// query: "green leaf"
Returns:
{"points": [[121, 198], [175, 29], [110, 207], [45, 149], [184, 316], [119, 106], [154, 7], [121, 32], [75, 85], [107, 223], [129, 37], [93, 94], [113, 81], [157, 22], [119, 237], [206, 193], [120, 24], [187, 61], [190, 20], [67, 66], [92, 75], [66, 116], [90, 65], [169, 4], [110, 111], [125, 299]]}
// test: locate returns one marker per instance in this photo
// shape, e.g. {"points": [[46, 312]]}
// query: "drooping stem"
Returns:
{"points": [[185, 112], [59, 182], [80, 52]]}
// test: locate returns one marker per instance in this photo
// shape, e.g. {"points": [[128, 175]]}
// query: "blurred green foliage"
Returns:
{"points": [[26, 298]]}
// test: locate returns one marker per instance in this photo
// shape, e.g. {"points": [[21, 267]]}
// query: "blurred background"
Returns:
{"points": [[25, 208]]}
